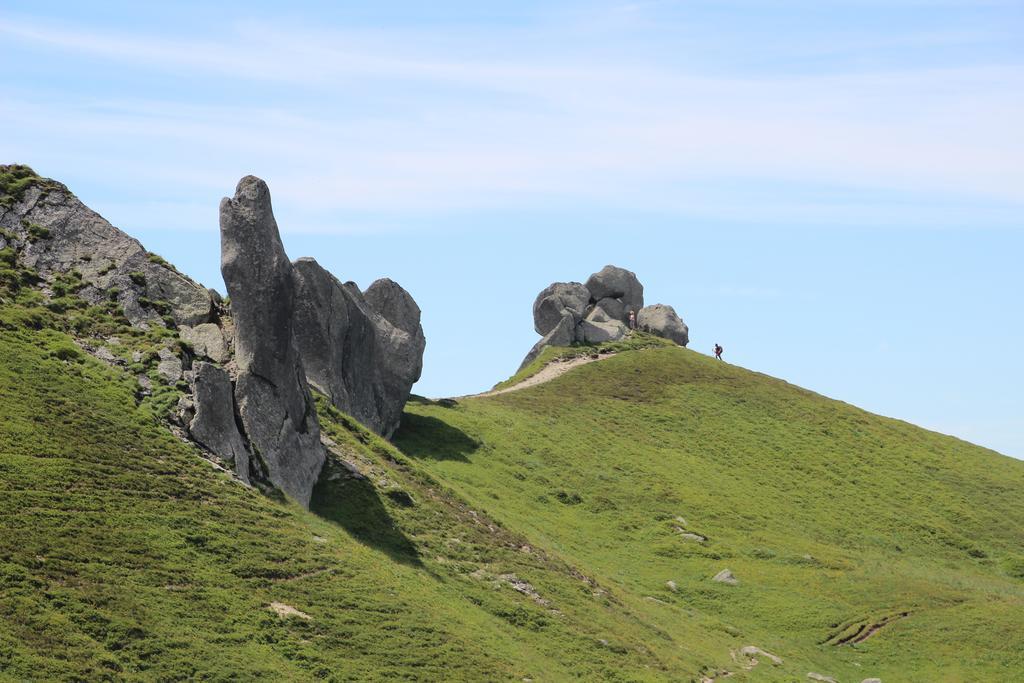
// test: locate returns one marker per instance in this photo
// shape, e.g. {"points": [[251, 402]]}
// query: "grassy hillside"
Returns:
{"points": [[565, 531], [124, 555], [863, 546]]}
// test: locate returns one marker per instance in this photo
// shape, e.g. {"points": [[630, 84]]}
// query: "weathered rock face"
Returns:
{"points": [[661, 320], [612, 282], [364, 351], [273, 398], [57, 233], [555, 301], [214, 423], [567, 313], [249, 366]]}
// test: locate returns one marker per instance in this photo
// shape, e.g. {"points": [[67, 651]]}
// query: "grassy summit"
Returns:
{"points": [[864, 546]]}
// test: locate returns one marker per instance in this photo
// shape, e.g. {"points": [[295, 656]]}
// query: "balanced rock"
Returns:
{"points": [[274, 402], [214, 423], [663, 321], [613, 282], [567, 313], [555, 301]]}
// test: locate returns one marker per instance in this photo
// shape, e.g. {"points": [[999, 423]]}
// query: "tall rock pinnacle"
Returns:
{"points": [[271, 393]]}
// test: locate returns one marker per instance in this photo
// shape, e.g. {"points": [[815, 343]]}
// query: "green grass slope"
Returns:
{"points": [[126, 556], [864, 546]]}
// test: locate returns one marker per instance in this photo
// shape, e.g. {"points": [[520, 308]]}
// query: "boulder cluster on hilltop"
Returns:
{"points": [[248, 363], [567, 313]]}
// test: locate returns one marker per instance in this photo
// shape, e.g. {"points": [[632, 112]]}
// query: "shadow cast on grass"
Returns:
{"points": [[422, 436], [355, 505]]}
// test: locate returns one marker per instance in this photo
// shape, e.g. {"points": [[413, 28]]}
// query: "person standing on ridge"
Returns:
{"points": [[632, 320], [718, 351]]}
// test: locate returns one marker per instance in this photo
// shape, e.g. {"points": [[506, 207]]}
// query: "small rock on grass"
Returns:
{"points": [[727, 577]]}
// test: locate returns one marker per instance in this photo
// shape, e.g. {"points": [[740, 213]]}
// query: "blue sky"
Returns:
{"points": [[832, 190]]}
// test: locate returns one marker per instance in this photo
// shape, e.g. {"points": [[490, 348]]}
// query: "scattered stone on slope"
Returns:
{"points": [[214, 423], [727, 577], [555, 301], [170, 367], [207, 340], [872, 680], [274, 402], [672, 586], [285, 611], [821, 678], [752, 651], [661, 320]]}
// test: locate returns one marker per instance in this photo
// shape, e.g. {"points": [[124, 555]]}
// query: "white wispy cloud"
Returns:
{"points": [[542, 127]]}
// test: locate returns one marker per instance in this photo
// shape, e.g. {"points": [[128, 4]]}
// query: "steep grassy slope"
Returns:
{"points": [[125, 555], [863, 546]]}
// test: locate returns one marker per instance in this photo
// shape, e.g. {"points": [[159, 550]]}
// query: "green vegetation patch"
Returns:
{"points": [[863, 546]]}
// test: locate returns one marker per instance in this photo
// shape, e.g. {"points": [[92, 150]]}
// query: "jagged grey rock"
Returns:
{"points": [[395, 304], [554, 301], [364, 358], [600, 332], [56, 233], [207, 340], [617, 283], [613, 308], [598, 315], [273, 398], [170, 366], [663, 321], [214, 423]]}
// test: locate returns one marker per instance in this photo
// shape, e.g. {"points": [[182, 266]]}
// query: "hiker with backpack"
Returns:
{"points": [[718, 351]]}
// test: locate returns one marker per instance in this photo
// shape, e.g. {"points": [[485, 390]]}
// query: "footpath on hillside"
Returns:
{"points": [[552, 370]]}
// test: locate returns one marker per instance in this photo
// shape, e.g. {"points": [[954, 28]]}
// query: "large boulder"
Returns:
{"points": [[555, 301], [364, 352], [207, 341], [661, 320], [274, 402], [214, 423], [600, 332], [612, 282]]}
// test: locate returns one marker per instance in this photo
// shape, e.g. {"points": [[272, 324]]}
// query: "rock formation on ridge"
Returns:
{"points": [[274, 403], [244, 370], [58, 234], [567, 313]]}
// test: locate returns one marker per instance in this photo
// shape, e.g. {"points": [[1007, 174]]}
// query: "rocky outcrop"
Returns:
{"points": [[555, 301], [612, 282], [663, 321], [274, 402], [364, 351], [56, 234], [567, 313], [249, 365], [214, 423]]}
